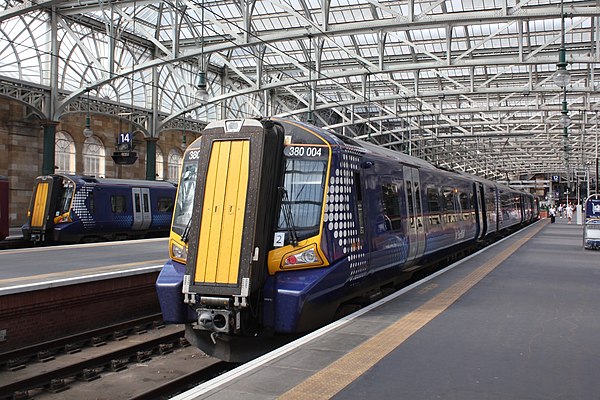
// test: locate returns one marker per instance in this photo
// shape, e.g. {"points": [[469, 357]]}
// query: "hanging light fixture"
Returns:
{"points": [[562, 77], [87, 131], [201, 92]]}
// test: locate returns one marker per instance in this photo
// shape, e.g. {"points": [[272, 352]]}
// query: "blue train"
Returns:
{"points": [[78, 208], [293, 226]]}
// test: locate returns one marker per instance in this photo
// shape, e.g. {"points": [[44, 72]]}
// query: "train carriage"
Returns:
{"points": [[76, 208], [292, 225]]}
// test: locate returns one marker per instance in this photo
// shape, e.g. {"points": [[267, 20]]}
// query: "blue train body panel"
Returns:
{"points": [[170, 296]]}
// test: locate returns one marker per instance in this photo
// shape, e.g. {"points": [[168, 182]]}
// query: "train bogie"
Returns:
{"points": [[313, 226]]}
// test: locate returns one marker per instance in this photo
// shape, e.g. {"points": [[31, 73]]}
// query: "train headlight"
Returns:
{"points": [[179, 252], [303, 258]]}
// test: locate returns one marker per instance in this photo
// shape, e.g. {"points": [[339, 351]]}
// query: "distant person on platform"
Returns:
{"points": [[569, 213], [560, 210], [552, 212]]}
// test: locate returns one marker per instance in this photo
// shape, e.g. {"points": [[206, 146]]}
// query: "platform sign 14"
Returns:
{"points": [[125, 141]]}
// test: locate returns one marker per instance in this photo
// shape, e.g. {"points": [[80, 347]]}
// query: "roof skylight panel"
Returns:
{"points": [[335, 55], [265, 7], [541, 39], [454, 5], [367, 39], [468, 5], [426, 74], [459, 45], [220, 11], [433, 47]]}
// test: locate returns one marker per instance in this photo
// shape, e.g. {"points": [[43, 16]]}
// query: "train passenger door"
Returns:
{"points": [[481, 212], [416, 228], [142, 216]]}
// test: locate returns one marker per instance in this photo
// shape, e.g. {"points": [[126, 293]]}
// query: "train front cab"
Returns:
{"points": [[230, 231], [50, 204]]}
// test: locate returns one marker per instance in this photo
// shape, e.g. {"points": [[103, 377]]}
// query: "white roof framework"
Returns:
{"points": [[464, 84]]}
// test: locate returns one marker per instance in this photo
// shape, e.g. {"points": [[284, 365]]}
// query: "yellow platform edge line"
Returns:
{"points": [[332, 379]]}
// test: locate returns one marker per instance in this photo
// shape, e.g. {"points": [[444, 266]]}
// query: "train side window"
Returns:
{"points": [[117, 204], [433, 201], [165, 204], [449, 205], [391, 206], [359, 203], [463, 199]]}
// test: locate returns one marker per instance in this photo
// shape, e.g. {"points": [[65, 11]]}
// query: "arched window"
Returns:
{"points": [[174, 165], [160, 165], [64, 152], [94, 161]]}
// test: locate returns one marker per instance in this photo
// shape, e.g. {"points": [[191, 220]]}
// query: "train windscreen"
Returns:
{"points": [[186, 192], [63, 205], [302, 199]]}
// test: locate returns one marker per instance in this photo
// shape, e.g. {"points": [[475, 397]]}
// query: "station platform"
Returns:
{"points": [[517, 320], [36, 268]]}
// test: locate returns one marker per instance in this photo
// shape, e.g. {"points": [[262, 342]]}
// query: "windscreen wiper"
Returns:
{"points": [[288, 217], [186, 232]]}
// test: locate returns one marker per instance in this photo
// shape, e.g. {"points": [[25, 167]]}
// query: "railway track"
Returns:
{"points": [[52, 372], [44, 351], [113, 362]]}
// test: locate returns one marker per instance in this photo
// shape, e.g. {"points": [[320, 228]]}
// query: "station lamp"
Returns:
{"points": [[87, 131], [562, 77], [201, 92]]}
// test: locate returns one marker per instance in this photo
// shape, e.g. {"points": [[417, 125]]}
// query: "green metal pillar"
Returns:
{"points": [[151, 158], [49, 141]]}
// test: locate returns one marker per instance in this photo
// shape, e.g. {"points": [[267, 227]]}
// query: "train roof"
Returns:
{"points": [[360, 145], [373, 149], [82, 179]]}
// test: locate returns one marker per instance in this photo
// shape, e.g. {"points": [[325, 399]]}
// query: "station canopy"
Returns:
{"points": [[498, 88]]}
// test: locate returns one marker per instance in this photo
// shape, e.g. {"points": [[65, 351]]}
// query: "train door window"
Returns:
{"points": [[165, 204], [418, 200], [391, 206], [136, 203], [433, 203], [117, 204], [146, 203], [411, 210], [359, 203]]}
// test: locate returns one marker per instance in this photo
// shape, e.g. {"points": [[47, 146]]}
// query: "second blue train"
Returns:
{"points": [[78, 208], [280, 226]]}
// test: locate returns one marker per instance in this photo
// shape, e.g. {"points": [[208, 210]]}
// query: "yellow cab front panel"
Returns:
{"points": [[223, 211], [38, 216]]}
